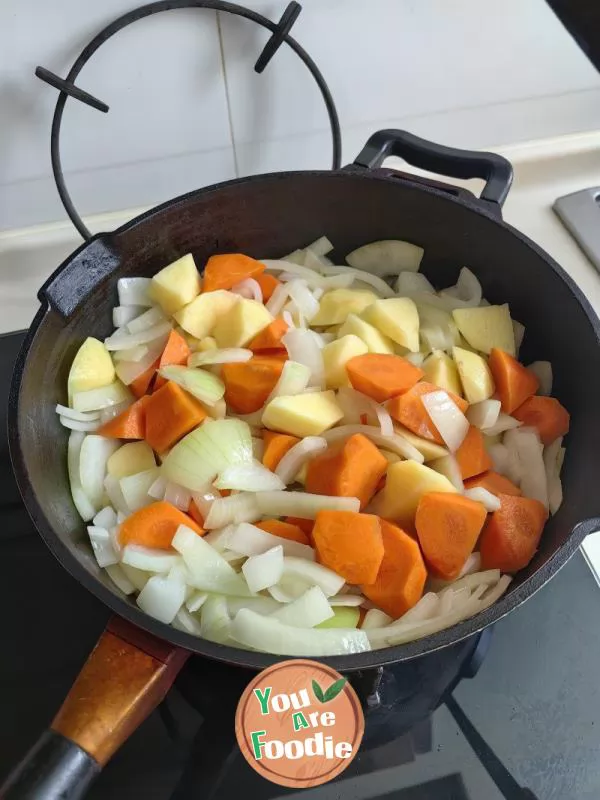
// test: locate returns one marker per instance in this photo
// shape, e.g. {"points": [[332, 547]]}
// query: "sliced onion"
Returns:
{"points": [[129, 371], [320, 247], [124, 341], [283, 265], [303, 298], [301, 504], [303, 348], [271, 636], [153, 316], [374, 618], [248, 288], [349, 600], [227, 355], [205, 498], [161, 598], [259, 604], [110, 412], [543, 371], [207, 569], [133, 354], [519, 334], [235, 509], [252, 541], [258, 448], [467, 289], [499, 455], [249, 477], [93, 456], [118, 576], [488, 500], [263, 570], [395, 444], [121, 315], [158, 488], [78, 416], [112, 487], [553, 458], [134, 291], [312, 574], [73, 425], [186, 622], [412, 283], [215, 622], [149, 559], [178, 496], [534, 482], [380, 286], [195, 601], [320, 284], [219, 538], [448, 466], [451, 423], [294, 459], [484, 414], [106, 518], [135, 488], [502, 424], [308, 610], [203, 385], [98, 399], [386, 257], [104, 551]]}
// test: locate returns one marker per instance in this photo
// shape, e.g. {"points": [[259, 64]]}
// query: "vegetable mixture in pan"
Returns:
{"points": [[297, 458]]}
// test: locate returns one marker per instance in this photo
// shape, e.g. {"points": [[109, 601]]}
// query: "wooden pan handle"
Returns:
{"points": [[125, 677]]}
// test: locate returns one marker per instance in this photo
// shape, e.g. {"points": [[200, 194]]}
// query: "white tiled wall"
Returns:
{"points": [[187, 110]]}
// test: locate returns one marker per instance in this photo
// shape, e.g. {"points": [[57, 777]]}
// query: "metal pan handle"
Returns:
{"points": [[125, 677], [495, 170]]}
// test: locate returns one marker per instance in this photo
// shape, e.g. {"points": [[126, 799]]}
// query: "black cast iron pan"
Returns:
{"points": [[265, 216]]}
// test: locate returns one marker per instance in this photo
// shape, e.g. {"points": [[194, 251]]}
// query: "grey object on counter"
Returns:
{"points": [[580, 214]]}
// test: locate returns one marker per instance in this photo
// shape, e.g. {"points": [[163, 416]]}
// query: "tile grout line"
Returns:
{"points": [[227, 96]]}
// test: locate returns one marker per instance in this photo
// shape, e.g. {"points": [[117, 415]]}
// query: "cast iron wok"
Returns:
{"points": [[266, 216]]}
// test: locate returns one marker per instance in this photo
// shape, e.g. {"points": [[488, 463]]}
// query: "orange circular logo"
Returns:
{"points": [[299, 723]]}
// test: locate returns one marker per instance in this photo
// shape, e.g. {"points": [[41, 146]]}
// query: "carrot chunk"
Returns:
{"points": [[129, 424], [141, 385], [155, 525], [224, 271], [350, 544], [448, 526], [285, 530], [408, 409], [171, 413], [352, 468], [494, 483], [276, 446], [269, 338], [176, 351], [512, 534], [305, 525], [268, 284], [402, 574], [472, 457], [382, 376], [547, 415], [248, 384], [514, 382]]}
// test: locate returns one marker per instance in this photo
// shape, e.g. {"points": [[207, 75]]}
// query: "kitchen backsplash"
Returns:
{"points": [[186, 108]]}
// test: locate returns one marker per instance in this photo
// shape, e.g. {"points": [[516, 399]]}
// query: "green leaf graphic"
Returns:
{"points": [[334, 690], [318, 692]]}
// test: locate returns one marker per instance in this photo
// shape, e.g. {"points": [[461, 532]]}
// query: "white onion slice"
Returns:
{"points": [[295, 458], [258, 448], [219, 538], [320, 247], [98, 399], [110, 412], [205, 498], [529, 449], [112, 487], [451, 423], [301, 504], [467, 290], [227, 355], [249, 288], [312, 574], [104, 551], [411, 283], [395, 444], [135, 488], [123, 341], [386, 257], [303, 348], [78, 416], [94, 454], [303, 298], [488, 500], [121, 315], [129, 371], [264, 570], [380, 286], [294, 379], [319, 284], [158, 488], [374, 618], [543, 371], [553, 458], [177, 495], [503, 423], [106, 518], [133, 354], [348, 600], [186, 622], [149, 559], [134, 291], [153, 316], [207, 569], [235, 509], [484, 414], [308, 610], [252, 541], [448, 466], [260, 604], [195, 601], [161, 598], [215, 622], [499, 455], [137, 577], [73, 425], [251, 477], [118, 576]]}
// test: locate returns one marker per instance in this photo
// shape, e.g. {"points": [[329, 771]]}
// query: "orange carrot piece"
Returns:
{"points": [[276, 446], [130, 424], [402, 574], [268, 284], [248, 384], [382, 376], [194, 512], [269, 338], [155, 525], [512, 534], [547, 415], [177, 351], [305, 525], [140, 386], [352, 468], [171, 413], [284, 530], [514, 382], [448, 526], [350, 544], [494, 483], [408, 409], [472, 457], [224, 271]]}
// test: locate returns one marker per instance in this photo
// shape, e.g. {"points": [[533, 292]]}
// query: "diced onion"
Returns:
{"points": [[146, 320], [529, 449], [503, 423], [260, 604], [484, 414], [302, 504], [203, 385], [215, 623], [94, 454], [106, 518], [219, 538], [303, 299], [161, 598], [543, 371], [195, 601], [449, 467], [121, 315], [303, 348], [158, 488], [134, 291], [374, 618], [74, 425], [118, 576], [123, 341], [227, 355], [451, 423], [349, 600], [252, 541], [499, 455], [110, 412], [263, 570], [149, 559], [250, 477], [308, 610], [386, 257], [207, 569], [186, 622], [295, 458], [135, 488], [104, 551], [467, 289], [133, 354], [489, 501], [380, 286], [97, 399], [312, 574], [294, 379], [205, 498], [115, 495], [128, 371], [395, 444], [177, 495], [78, 416], [553, 458], [249, 288], [320, 247], [237, 508]]}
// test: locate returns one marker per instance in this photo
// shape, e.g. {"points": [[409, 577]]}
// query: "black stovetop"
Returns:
{"points": [[535, 700]]}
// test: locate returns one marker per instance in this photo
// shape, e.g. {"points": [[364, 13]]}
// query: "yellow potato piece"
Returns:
{"points": [[475, 375], [486, 327], [406, 483], [338, 303], [396, 317], [130, 459], [92, 368], [176, 285], [335, 357], [441, 370], [241, 323], [428, 449], [304, 414], [200, 316], [375, 341]]}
